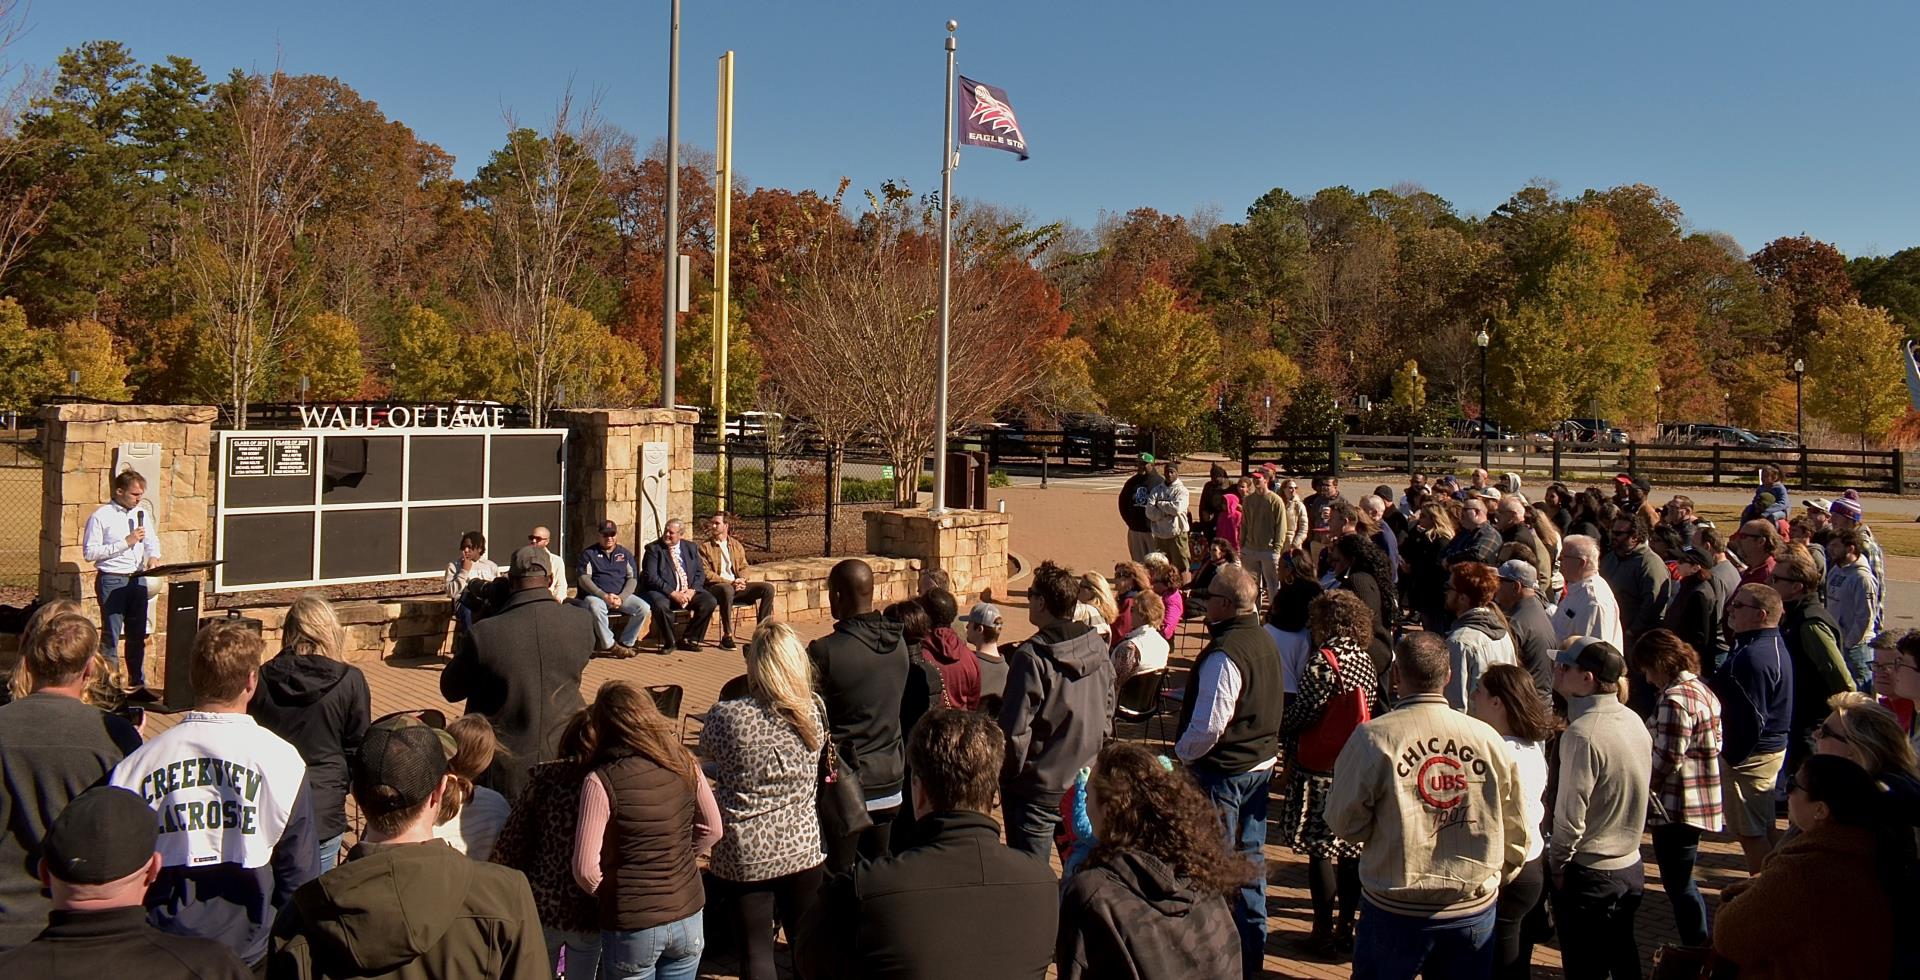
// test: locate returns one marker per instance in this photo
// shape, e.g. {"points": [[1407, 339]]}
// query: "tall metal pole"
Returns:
{"points": [[939, 505], [670, 303], [722, 260], [1484, 421]]}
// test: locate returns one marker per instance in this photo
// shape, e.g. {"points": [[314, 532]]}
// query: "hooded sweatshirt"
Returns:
{"points": [[959, 669], [1058, 708], [860, 671], [412, 911], [322, 708], [1133, 918], [1478, 641]]}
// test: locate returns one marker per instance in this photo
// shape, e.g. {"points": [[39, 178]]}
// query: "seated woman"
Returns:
{"points": [[1151, 900], [1143, 648], [469, 579], [1096, 607], [1219, 555], [1163, 578]]}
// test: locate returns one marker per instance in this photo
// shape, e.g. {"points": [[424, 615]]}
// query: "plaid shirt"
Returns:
{"points": [[1686, 755]]}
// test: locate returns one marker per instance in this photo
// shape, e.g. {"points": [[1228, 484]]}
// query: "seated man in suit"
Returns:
{"points": [[671, 577]]}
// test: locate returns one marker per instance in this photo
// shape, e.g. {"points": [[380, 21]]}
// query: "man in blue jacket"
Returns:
{"points": [[671, 578], [1755, 687]]}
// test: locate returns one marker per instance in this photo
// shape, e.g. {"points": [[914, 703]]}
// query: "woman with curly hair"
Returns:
{"points": [[1151, 900], [1335, 691], [1362, 568]]}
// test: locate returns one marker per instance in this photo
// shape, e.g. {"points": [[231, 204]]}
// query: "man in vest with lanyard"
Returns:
{"points": [[1230, 737]]}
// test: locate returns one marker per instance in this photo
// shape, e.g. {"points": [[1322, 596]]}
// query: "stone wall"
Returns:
{"points": [[78, 478], [375, 629], [971, 545], [800, 585], [603, 469]]}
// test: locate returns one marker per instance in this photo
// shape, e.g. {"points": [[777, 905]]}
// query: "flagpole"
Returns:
{"points": [[939, 505]]}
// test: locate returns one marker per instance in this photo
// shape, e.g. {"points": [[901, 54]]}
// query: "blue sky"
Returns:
{"points": [[1761, 119]]}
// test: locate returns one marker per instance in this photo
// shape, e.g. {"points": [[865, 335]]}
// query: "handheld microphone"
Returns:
{"points": [[140, 518]]}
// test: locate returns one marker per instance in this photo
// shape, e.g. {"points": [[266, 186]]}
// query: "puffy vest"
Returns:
{"points": [[1253, 734], [649, 875]]}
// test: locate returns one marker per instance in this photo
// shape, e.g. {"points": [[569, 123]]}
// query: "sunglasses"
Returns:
{"points": [[1823, 731]]}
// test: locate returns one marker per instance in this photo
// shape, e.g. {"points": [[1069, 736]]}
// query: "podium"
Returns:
{"points": [[183, 621]]}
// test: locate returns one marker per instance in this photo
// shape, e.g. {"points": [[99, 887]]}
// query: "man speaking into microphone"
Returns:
{"points": [[120, 541]]}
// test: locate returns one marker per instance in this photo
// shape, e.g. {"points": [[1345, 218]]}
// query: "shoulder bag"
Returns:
{"points": [[840, 801], [1321, 744]]}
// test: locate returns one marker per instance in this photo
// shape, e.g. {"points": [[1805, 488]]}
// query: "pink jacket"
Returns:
{"points": [[1227, 525]]}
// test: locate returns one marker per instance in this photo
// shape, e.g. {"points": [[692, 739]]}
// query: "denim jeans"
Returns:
{"points": [[330, 853], [666, 952], [1675, 849], [123, 610], [1031, 818], [1242, 802], [1860, 666], [1390, 946], [581, 952], [637, 614]]}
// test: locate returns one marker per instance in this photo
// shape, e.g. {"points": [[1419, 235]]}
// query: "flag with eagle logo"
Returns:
{"points": [[986, 120]]}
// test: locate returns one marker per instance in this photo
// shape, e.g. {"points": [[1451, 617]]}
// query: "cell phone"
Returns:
{"points": [[133, 713]]}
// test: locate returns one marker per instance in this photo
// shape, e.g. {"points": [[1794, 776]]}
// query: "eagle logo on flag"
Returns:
{"points": [[987, 120]]}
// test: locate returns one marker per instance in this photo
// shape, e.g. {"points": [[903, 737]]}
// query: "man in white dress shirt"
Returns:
{"points": [[120, 540], [1589, 608]]}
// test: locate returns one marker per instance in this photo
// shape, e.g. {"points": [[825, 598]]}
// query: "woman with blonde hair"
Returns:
{"points": [[646, 816], [20, 681], [1425, 580], [471, 816], [1096, 607], [319, 705], [764, 752], [1866, 731]]}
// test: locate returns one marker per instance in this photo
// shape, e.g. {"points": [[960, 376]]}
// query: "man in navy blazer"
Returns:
{"points": [[667, 584]]}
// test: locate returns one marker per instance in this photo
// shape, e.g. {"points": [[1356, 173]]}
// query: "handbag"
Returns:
{"points": [[1321, 743], [840, 800]]}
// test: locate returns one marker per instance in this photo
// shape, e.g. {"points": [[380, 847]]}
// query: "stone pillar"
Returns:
{"points": [[970, 545], [604, 450], [78, 478]]}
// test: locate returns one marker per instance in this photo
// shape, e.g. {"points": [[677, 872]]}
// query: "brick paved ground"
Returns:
{"points": [[1064, 527]]}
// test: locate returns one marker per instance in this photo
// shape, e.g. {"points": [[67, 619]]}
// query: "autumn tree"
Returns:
{"points": [[1892, 283], [1583, 341], [429, 361], [29, 359], [853, 345], [596, 368], [87, 351], [242, 256], [695, 360], [1856, 373], [1409, 387], [1133, 347], [1804, 276], [324, 349], [545, 194], [1064, 380]]}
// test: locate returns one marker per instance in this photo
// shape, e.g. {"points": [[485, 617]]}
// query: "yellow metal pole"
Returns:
{"points": [[722, 257]]}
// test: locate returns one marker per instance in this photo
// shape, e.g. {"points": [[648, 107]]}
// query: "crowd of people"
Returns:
{"points": [[1464, 708]]}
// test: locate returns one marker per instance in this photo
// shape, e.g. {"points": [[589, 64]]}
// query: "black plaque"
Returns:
{"points": [[249, 457], [447, 467], [359, 543], [263, 548], [508, 525], [433, 536], [361, 470], [293, 456], [525, 465]]}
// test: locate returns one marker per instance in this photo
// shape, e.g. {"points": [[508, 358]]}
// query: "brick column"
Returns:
{"points": [[78, 478], [604, 450], [971, 545]]}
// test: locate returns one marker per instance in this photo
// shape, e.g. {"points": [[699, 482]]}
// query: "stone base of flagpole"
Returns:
{"points": [[969, 545]]}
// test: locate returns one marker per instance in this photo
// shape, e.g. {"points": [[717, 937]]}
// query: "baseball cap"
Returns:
{"points": [[528, 561], [1597, 657], [1520, 572], [400, 761], [1490, 493], [1819, 503], [609, 527], [983, 614], [103, 835], [1624, 479], [1146, 457]]}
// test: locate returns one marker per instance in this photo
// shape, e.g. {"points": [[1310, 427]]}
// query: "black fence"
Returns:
{"points": [[1085, 449], [1805, 468], [779, 496]]}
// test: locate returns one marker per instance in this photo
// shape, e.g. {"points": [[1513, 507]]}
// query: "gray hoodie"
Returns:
{"points": [[1479, 640], [1058, 708]]}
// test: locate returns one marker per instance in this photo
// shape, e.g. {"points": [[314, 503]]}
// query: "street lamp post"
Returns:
{"points": [[1656, 410], [1799, 422], [1481, 340]]}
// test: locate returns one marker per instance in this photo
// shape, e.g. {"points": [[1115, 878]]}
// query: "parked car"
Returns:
{"points": [[1714, 434], [1590, 431], [1777, 437]]}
